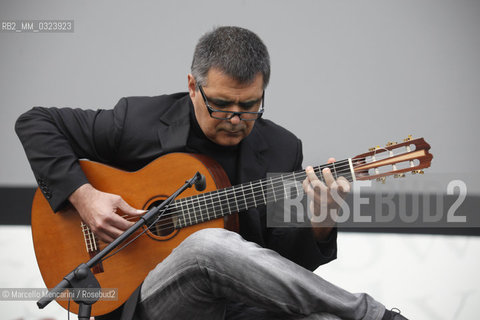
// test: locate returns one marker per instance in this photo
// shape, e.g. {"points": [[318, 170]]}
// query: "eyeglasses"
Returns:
{"points": [[227, 115]]}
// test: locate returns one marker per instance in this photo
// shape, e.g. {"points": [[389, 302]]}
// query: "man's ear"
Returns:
{"points": [[192, 86]]}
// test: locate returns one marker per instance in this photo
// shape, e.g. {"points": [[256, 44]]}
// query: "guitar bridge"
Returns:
{"points": [[91, 244]]}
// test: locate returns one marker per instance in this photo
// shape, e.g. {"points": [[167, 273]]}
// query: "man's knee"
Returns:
{"points": [[210, 237], [211, 243], [200, 248]]}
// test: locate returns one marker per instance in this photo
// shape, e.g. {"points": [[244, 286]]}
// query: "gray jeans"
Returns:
{"points": [[216, 274]]}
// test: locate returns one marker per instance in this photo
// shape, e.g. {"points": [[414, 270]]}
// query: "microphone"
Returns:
{"points": [[200, 182]]}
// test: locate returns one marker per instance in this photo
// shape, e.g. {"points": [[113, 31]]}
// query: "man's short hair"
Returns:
{"points": [[237, 52]]}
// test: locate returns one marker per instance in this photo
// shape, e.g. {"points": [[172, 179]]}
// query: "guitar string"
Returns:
{"points": [[203, 208], [204, 214], [256, 186], [216, 205], [339, 168]]}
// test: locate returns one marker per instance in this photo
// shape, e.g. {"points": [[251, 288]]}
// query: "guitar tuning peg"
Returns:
{"points": [[374, 148], [399, 175], [382, 179], [390, 143], [417, 171], [408, 138]]}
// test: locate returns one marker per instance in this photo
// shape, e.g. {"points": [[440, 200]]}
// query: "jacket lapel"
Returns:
{"points": [[173, 136]]}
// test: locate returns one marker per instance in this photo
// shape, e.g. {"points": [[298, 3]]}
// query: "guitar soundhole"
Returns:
{"points": [[165, 225]]}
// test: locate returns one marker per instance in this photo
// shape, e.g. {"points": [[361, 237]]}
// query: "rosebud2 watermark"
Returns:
{"points": [[35, 294], [426, 203]]}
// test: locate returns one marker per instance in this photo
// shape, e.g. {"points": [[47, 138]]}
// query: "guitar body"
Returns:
{"points": [[61, 244]]}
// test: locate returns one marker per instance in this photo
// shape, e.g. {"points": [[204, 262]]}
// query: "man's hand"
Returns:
{"points": [[321, 199], [99, 211]]}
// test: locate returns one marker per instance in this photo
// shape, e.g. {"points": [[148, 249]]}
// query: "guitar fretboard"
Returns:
{"points": [[215, 204]]}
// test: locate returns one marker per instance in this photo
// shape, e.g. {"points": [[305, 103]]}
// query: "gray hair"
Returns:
{"points": [[237, 52]]}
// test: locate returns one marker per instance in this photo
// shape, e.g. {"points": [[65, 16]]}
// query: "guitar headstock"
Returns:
{"points": [[394, 159]]}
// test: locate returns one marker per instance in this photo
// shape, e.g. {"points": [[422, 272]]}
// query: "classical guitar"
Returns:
{"points": [[62, 241]]}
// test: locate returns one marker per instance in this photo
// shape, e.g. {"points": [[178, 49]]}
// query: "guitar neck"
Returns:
{"points": [[211, 205]]}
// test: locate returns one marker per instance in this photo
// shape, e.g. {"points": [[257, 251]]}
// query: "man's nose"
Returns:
{"points": [[235, 119]]}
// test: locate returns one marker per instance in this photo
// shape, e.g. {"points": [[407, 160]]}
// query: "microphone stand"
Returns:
{"points": [[81, 278]]}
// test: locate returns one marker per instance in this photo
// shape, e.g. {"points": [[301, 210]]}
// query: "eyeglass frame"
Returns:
{"points": [[211, 110]]}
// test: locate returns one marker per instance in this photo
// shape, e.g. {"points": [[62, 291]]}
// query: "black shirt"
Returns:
{"points": [[226, 156]]}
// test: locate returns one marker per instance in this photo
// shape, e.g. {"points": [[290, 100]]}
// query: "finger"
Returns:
{"points": [[306, 184], [307, 187], [120, 222], [110, 233], [106, 232], [343, 185], [126, 208], [105, 237], [316, 186], [314, 189], [331, 160], [311, 176], [328, 177]]}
